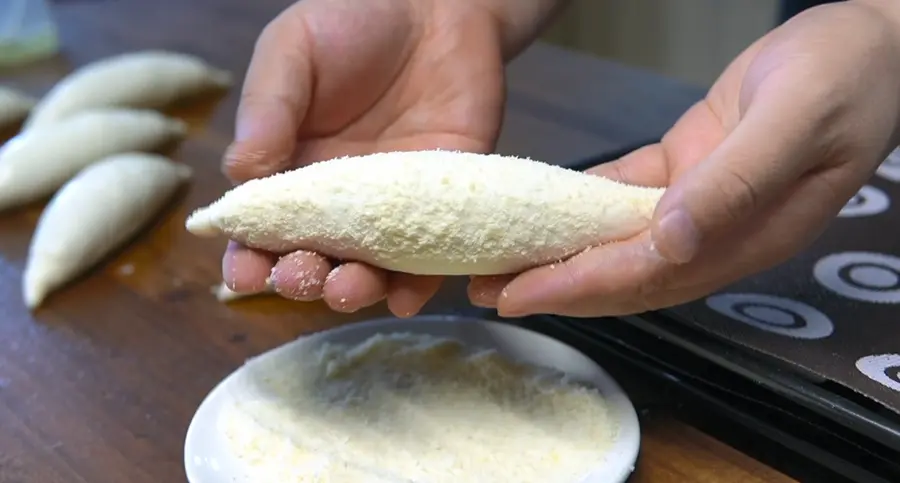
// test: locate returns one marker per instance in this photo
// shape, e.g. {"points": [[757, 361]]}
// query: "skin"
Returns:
{"points": [[755, 171]]}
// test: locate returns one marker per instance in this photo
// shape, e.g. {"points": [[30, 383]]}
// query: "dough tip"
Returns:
{"points": [[201, 223], [183, 171], [221, 78], [33, 293], [179, 126], [7, 194]]}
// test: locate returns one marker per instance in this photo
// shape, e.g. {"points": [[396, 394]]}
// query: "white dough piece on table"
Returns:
{"points": [[95, 213], [14, 106], [145, 79], [431, 212], [37, 162], [225, 295]]}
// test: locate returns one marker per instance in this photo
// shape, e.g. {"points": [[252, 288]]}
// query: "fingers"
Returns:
{"points": [[353, 286], [245, 270], [485, 291], [274, 101], [301, 276], [409, 293], [610, 273], [274, 98], [753, 165], [646, 166], [630, 277], [306, 276], [693, 137]]}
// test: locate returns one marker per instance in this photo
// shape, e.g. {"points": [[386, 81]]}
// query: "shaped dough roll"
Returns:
{"points": [[431, 212], [14, 106], [146, 79], [94, 214], [36, 163]]}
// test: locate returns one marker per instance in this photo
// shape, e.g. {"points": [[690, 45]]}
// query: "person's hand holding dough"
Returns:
{"points": [[754, 171], [342, 77]]}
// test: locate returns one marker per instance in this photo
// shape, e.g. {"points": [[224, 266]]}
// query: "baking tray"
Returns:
{"points": [[740, 407]]}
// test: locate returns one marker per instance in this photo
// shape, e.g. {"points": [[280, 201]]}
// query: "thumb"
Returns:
{"points": [[755, 163], [274, 101]]}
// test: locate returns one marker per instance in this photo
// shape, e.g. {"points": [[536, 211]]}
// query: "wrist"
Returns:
{"points": [[520, 22]]}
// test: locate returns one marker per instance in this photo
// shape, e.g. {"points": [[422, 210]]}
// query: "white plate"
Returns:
{"points": [[207, 459]]}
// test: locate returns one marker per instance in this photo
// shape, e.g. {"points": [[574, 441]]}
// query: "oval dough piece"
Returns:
{"points": [[431, 212], [95, 213], [37, 162], [14, 106], [146, 79]]}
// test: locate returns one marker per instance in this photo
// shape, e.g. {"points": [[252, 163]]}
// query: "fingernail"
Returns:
{"points": [[677, 238], [246, 127], [513, 313], [504, 310], [481, 297], [237, 154]]}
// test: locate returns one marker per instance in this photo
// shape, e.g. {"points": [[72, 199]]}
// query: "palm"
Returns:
{"points": [[402, 89], [696, 134]]}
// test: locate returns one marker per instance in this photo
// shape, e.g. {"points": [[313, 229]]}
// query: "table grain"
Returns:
{"points": [[100, 384]]}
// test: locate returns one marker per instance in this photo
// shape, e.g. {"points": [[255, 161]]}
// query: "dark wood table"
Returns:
{"points": [[100, 384]]}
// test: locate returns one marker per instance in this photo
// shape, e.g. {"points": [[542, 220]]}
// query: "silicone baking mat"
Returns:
{"points": [[834, 310]]}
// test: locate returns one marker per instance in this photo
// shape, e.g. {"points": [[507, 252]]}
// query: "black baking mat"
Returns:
{"points": [[834, 310], [766, 415]]}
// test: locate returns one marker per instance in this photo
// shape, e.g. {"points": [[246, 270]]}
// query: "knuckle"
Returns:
{"points": [[740, 197]]}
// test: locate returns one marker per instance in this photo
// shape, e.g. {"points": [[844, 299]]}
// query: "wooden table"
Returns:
{"points": [[100, 384]]}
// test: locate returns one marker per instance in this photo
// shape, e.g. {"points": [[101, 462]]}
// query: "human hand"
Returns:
{"points": [[332, 78], [755, 171]]}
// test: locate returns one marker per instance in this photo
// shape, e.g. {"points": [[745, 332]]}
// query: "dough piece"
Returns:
{"points": [[431, 212], [14, 106], [146, 79], [95, 213], [36, 163], [225, 295]]}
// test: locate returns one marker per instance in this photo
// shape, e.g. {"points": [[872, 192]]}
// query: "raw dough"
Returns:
{"points": [[37, 162], [412, 408], [14, 106], [147, 79], [95, 213], [431, 212]]}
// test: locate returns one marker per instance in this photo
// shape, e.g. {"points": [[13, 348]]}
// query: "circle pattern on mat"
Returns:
{"points": [[868, 201], [773, 314], [863, 276], [890, 168], [882, 368]]}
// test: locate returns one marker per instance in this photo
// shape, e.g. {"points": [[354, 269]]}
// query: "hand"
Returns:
{"points": [[755, 171], [332, 78]]}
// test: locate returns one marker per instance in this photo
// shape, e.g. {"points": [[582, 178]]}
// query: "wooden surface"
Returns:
{"points": [[100, 385]]}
